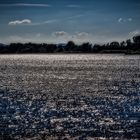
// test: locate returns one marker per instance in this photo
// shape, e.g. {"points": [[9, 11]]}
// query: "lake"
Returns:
{"points": [[70, 96]]}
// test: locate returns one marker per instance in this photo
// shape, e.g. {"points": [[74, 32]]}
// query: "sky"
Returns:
{"points": [[58, 21]]}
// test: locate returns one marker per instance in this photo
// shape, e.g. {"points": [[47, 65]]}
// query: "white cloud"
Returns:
{"points": [[44, 22], [25, 4], [60, 33], [134, 33], [29, 22], [121, 20], [82, 34], [19, 22]]}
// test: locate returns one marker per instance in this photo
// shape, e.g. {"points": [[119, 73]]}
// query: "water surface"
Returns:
{"points": [[73, 96]]}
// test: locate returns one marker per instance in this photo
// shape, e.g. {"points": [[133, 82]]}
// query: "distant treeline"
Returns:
{"points": [[127, 47]]}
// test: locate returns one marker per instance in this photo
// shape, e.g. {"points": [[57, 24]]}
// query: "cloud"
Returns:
{"points": [[82, 34], [29, 22], [60, 33], [44, 22], [134, 33], [25, 5], [19, 22], [67, 36], [121, 20]]}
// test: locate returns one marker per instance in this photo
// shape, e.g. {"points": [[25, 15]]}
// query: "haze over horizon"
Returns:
{"points": [[56, 21]]}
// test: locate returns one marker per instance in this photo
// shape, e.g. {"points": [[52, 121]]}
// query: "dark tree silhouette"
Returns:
{"points": [[136, 39], [70, 46], [124, 47], [114, 45], [86, 47], [123, 44]]}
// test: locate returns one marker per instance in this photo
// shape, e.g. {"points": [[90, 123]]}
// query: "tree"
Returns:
{"points": [[70, 46], [86, 47], [123, 44], [129, 44], [114, 44], [136, 39]]}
